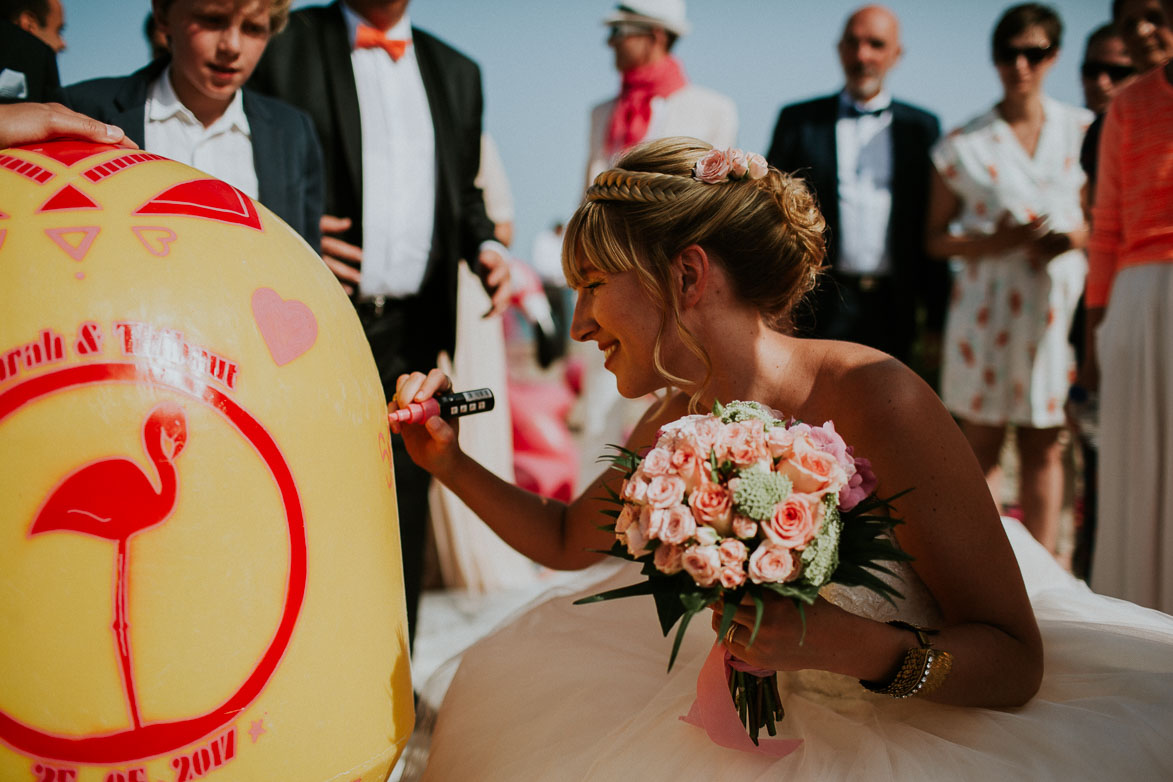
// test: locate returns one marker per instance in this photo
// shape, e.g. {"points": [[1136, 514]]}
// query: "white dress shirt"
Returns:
{"points": [[224, 149], [398, 165], [863, 146]]}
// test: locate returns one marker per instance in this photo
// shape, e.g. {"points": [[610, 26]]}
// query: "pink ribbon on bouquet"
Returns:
{"points": [[714, 711]]}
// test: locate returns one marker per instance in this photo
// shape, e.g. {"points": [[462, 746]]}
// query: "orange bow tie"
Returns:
{"points": [[370, 38]]}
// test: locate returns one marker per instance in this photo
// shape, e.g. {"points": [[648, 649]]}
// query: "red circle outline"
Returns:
{"points": [[161, 737]]}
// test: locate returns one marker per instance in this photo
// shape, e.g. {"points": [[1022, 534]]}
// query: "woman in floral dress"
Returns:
{"points": [[1010, 181]]}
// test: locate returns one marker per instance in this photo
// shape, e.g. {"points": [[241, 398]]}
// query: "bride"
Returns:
{"points": [[688, 262]]}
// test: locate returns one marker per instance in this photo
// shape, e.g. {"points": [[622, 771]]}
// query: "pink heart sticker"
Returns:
{"points": [[156, 240], [288, 326]]}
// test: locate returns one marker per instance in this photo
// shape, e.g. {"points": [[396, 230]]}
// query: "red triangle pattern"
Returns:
{"points": [[209, 199], [69, 152], [68, 197]]}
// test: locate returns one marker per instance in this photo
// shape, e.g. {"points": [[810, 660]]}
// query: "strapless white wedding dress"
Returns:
{"points": [[569, 692]]}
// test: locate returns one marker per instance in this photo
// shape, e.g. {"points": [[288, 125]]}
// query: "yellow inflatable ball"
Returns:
{"points": [[200, 574]]}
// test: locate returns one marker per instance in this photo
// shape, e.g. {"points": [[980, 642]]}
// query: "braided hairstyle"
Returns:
{"points": [[767, 234]]}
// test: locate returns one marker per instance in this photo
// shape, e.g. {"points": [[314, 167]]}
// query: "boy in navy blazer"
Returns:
{"points": [[191, 107]]}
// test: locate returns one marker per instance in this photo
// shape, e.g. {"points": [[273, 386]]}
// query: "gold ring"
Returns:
{"points": [[729, 634]]}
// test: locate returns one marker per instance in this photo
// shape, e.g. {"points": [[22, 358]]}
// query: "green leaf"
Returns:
{"points": [[759, 607], [669, 609], [690, 611], [807, 593], [727, 612], [632, 590]]}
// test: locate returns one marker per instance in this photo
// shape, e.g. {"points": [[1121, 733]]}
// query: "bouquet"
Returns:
{"points": [[740, 503]]}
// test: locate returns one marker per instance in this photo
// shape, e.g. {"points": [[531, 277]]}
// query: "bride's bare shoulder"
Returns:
{"points": [[863, 383]]}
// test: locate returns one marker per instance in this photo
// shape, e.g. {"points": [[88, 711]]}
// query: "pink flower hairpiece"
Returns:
{"points": [[729, 165]]}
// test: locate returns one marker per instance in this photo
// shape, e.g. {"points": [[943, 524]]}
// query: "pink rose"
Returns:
{"points": [[770, 564], [679, 525], [744, 527], [713, 167], [664, 491], [626, 518], [732, 552], [758, 167], [674, 429], [780, 441], [744, 442], [668, 559], [702, 563], [712, 504], [658, 461], [795, 521], [637, 544], [813, 471], [635, 489], [684, 462], [651, 521], [707, 536], [738, 163], [705, 435], [732, 576]]}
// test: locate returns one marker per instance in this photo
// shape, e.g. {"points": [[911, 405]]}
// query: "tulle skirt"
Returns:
{"points": [[581, 693]]}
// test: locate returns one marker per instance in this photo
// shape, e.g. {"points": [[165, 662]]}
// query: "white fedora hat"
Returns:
{"points": [[668, 14]]}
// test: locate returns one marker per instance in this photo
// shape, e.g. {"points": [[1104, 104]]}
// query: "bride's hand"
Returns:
{"points": [[432, 444], [781, 644]]}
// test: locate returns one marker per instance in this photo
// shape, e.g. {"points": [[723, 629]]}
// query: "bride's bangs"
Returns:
{"points": [[596, 239]]}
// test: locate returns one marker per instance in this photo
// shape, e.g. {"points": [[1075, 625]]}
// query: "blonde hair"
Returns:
{"points": [[278, 12], [767, 234]]}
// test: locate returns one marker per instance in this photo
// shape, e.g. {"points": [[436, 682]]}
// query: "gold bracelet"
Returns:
{"points": [[921, 671]]}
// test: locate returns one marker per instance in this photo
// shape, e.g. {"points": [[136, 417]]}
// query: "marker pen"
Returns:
{"points": [[447, 406]]}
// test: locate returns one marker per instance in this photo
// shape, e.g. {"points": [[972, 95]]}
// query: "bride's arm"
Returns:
{"points": [[555, 534], [952, 528]]}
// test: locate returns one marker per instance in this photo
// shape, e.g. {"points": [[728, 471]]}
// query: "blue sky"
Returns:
{"points": [[544, 63]]}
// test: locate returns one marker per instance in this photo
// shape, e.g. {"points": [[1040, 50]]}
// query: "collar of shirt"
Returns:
{"points": [[163, 104], [401, 30], [880, 102]]}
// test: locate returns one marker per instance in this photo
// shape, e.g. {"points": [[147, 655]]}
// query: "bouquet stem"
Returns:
{"points": [[758, 702]]}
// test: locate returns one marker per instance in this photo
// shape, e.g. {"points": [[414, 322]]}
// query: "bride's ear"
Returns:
{"points": [[691, 274]]}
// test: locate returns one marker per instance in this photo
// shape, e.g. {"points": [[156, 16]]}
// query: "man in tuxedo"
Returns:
{"points": [[399, 116], [866, 157], [189, 105], [30, 38]]}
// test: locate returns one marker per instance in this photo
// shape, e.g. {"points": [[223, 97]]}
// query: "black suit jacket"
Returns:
{"points": [[308, 64], [804, 144], [286, 153], [27, 55]]}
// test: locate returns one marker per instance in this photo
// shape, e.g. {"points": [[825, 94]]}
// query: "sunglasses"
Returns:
{"points": [[1008, 55], [1093, 70], [624, 29]]}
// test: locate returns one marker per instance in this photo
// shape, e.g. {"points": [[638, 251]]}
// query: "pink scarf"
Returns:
{"points": [[633, 109]]}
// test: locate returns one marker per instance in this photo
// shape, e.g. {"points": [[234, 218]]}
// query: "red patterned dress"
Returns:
{"points": [[1007, 358]]}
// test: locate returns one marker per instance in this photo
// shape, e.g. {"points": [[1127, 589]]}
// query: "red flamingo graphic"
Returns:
{"points": [[114, 499]]}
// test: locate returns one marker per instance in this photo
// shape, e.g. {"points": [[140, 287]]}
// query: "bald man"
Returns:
{"points": [[866, 156]]}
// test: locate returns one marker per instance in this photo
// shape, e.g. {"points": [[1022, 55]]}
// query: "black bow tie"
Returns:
{"points": [[853, 111]]}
